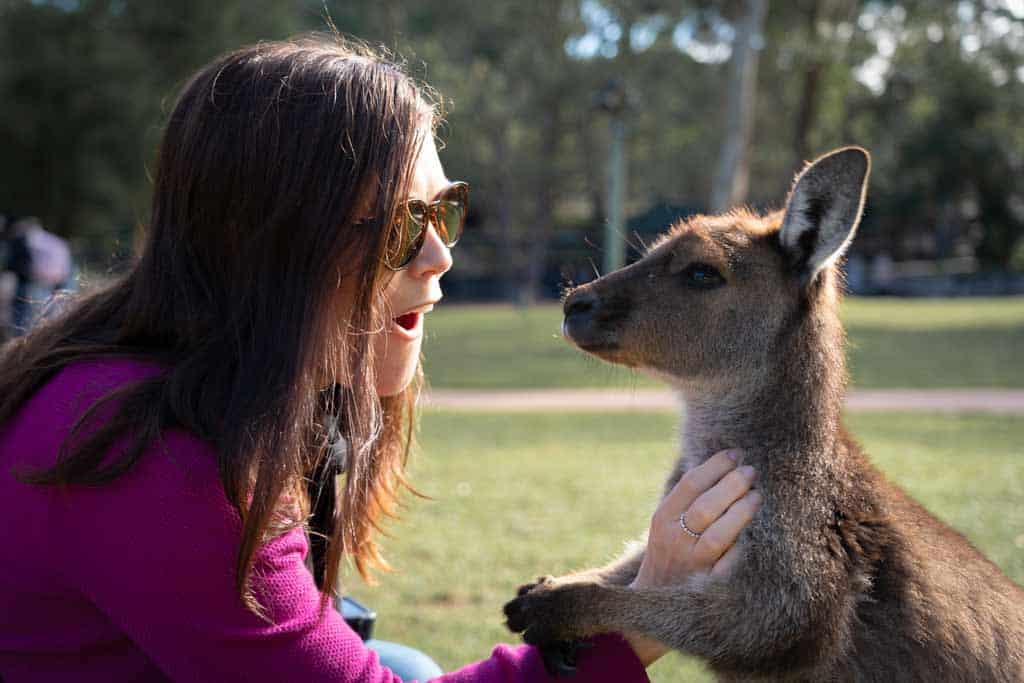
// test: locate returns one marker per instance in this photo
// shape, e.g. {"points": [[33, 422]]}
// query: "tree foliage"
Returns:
{"points": [[935, 90]]}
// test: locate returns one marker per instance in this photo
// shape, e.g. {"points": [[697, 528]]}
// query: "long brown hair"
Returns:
{"points": [[279, 175]]}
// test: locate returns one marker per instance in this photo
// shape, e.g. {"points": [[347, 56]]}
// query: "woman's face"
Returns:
{"points": [[413, 291]]}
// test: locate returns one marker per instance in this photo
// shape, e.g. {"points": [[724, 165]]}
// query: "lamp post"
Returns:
{"points": [[614, 99]]}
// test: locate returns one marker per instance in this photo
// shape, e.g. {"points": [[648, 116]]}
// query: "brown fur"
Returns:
{"points": [[843, 576]]}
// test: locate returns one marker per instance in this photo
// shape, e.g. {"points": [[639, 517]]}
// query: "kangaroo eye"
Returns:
{"points": [[702, 276]]}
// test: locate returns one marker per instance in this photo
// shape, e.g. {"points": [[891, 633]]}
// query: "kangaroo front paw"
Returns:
{"points": [[527, 587], [548, 612]]}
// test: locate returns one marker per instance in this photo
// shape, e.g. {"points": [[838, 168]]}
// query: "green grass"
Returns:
{"points": [[527, 494], [894, 343]]}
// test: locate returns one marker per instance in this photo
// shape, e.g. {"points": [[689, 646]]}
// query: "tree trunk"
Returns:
{"points": [[732, 178], [807, 109], [541, 230], [505, 189], [806, 113]]}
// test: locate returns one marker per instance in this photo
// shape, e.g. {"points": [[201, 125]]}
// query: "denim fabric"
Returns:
{"points": [[407, 663]]}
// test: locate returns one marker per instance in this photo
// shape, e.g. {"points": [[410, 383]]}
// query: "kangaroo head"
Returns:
{"points": [[712, 299]]}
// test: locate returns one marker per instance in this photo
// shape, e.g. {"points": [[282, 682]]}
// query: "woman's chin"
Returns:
{"points": [[395, 383], [398, 360]]}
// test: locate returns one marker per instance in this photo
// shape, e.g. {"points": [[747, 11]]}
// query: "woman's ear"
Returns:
{"points": [[823, 210]]}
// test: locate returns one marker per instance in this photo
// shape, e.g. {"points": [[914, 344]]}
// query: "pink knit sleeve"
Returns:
{"points": [[155, 551], [610, 660]]}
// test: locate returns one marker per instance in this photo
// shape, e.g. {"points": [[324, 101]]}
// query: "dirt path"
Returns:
{"points": [[1001, 401]]}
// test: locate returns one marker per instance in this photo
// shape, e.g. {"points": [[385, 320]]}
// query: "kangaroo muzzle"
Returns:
{"points": [[589, 321]]}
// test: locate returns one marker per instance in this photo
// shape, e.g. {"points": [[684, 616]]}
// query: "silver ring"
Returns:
{"points": [[682, 525]]}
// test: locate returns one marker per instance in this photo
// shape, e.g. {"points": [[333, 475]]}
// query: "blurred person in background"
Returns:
{"points": [[8, 282], [41, 262], [188, 454]]}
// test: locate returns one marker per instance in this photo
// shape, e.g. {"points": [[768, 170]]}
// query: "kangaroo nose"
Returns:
{"points": [[581, 324], [579, 303]]}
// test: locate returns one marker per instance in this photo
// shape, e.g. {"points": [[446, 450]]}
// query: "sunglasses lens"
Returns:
{"points": [[450, 217], [410, 236], [451, 214]]}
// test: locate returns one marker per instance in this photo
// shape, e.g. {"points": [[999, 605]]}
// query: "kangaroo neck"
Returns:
{"points": [[793, 410]]}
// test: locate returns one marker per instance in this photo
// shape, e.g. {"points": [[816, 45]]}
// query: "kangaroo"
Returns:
{"points": [[843, 577]]}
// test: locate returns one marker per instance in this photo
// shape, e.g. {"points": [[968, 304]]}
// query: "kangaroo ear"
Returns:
{"points": [[823, 210]]}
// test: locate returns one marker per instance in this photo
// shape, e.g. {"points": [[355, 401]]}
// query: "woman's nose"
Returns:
{"points": [[435, 258]]}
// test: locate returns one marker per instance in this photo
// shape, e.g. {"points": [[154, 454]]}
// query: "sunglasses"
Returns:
{"points": [[447, 214]]}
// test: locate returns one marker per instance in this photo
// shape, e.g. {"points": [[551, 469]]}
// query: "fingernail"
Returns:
{"points": [[755, 497], [734, 454], [749, 472]]}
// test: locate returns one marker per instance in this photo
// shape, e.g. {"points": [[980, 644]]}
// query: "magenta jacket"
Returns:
{"points": [[135, 580]]}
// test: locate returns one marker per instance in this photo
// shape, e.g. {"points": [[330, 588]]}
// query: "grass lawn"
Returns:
{"points": [[519, 495], [894, 343]]}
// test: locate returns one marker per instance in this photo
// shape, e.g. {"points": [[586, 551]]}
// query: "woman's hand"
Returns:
{"points": [[718, 502]]}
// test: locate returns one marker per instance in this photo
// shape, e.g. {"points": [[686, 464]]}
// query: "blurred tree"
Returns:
{"points": [[733, 175], [71, 119], [84, 99], [933, 89], [944, 120]]}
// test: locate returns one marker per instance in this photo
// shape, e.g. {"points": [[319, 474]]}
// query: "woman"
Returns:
{"points": [[165, 442]]}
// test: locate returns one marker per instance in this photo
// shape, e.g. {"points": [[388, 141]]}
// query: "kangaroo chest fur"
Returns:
{"points": [[873, 586]]}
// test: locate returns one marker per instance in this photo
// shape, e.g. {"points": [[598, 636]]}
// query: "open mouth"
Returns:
{"points": [[409, 321]]}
